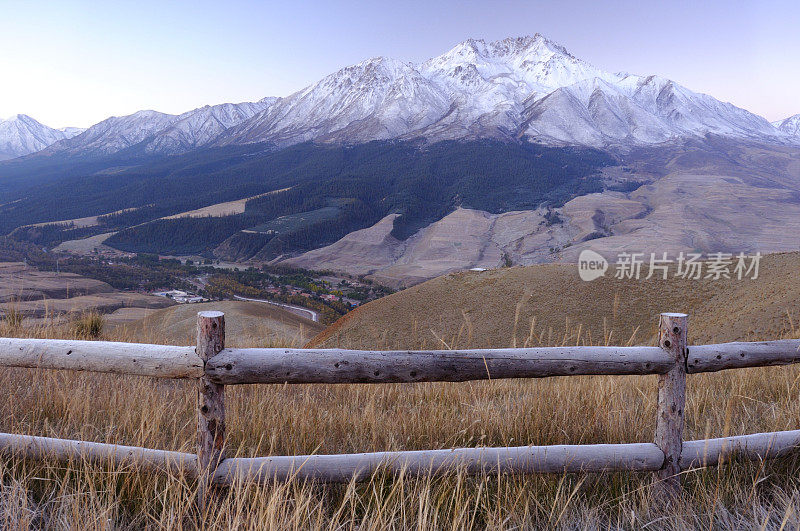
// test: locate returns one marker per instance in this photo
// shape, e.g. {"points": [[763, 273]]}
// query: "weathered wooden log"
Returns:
{"points": [[65, 451], [757, 446], [265, 365], [211, 404], [344, 467], [672, 332], [161, 361], [710, 358], [285, 365], [520, 460]]}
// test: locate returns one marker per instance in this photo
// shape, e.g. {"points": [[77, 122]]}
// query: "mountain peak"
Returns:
{"points": [[790, 125], [519, 67], [530, 47], [383, 64], [537, 44], [19, 118], [21, 135]]}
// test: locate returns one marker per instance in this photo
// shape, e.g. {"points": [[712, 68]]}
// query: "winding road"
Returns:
{"points": [[303, 312]]}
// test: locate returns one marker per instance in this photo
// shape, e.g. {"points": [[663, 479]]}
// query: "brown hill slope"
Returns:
{"points": [[681, 198], [548, 304], [48, 295], [249, 324]]}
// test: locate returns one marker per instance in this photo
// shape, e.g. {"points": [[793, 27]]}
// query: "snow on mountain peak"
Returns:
{"points": [[115, 133], [377, 98], [21, 135], [535, 61], [158, 132], [533, 48], [511, 88], [69, 132], [203, 125], [789, 126]]}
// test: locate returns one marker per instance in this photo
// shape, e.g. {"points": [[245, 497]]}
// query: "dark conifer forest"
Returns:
{"points": [[326, 192]]}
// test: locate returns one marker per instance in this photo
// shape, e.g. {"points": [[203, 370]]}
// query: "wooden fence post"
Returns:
{"points": [[211, 404], [672, 333]]}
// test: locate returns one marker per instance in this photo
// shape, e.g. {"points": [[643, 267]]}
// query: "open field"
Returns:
{"points": [[19, 282], [293, 222], [228, 208], [46, 294], [276, 419], [80, 223], [124, 316], [85, 246], [103, 303]]}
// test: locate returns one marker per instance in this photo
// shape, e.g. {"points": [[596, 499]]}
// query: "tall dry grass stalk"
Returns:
{"points": [[302, 419]]}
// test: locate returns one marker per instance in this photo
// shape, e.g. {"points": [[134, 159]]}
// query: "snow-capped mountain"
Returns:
{"points": [[21, 135], [115, 133], [161, 133], [378, 98], [524, 87], [491, 84], [201, 126], [528, 87], [790, 126], [477, 89], [72, 131], [636, 110]]}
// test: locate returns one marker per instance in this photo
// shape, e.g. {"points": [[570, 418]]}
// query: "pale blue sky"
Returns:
{"points": [[77, 62]]}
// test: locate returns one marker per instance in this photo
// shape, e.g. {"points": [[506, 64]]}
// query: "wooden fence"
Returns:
{"points": [[215, 367]]}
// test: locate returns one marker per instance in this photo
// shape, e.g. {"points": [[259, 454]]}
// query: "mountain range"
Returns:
{"points": [[493, 153], [517, 88]]}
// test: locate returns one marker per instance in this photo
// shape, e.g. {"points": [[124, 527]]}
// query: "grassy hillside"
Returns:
{"points": [[529, 306], [468, 308], [298, 419]]}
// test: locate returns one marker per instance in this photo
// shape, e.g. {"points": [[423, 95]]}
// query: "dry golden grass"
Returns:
{"points": [[227, 208], [275, 419], [247, 323], [498, 308]]}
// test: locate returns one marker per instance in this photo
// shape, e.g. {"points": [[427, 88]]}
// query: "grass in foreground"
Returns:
{"points": [[265, 420]]}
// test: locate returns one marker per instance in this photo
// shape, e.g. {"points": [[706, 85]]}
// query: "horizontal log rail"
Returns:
{"points": [[66, 450], [754, 447], [300, 366], [343, 468], [161, 361], [215, 367], [712, 358]]}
